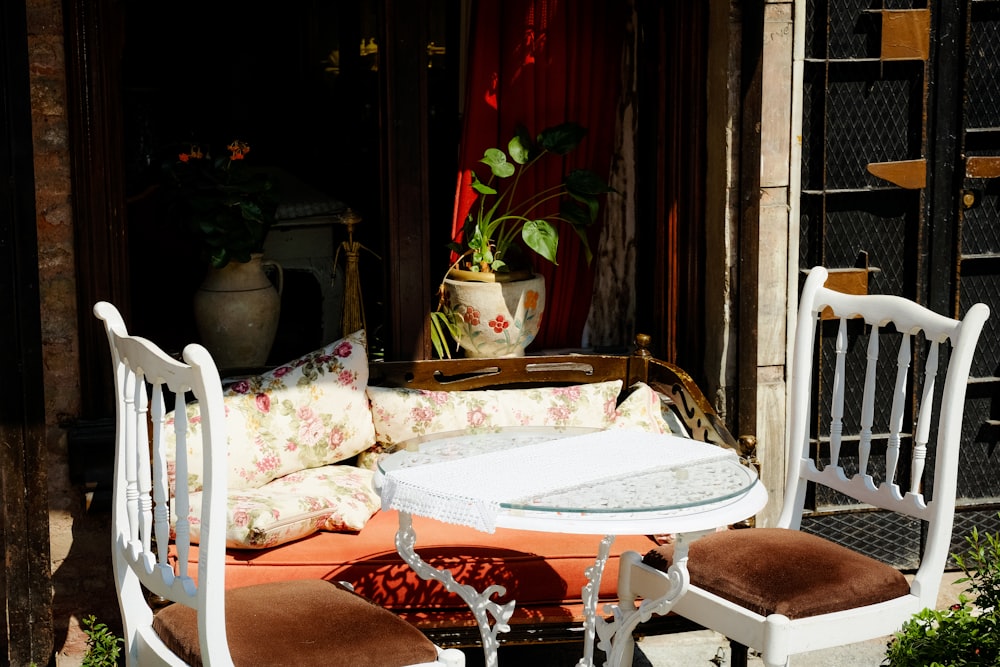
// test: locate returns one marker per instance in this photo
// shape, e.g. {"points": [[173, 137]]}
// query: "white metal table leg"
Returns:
{"points": [[591, 593], [616, 634], [480, 604]]}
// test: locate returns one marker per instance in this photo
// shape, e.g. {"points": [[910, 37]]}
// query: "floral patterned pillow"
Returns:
{"points": [[334, 497], [401, 414], [642, 410], [307, 413]]}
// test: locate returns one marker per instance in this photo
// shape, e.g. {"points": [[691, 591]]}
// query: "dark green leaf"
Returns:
{"points": [[482, 188], [541, 237], [579, 212], [562, 139], [525, 140], [496, 160], [520, 152], [585, 182]]}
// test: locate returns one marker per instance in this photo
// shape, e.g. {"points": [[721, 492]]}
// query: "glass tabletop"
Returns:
{"points": [[702, 477]]}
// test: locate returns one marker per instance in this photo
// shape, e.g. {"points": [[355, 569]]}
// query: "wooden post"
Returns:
{"points": [[405, 177], [24, 525]]}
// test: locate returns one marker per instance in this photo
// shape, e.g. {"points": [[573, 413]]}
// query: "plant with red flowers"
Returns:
{"points": [[226, 204]]}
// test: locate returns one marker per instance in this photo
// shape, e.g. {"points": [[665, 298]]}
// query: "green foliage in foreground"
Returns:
{"points": [[103, 647], [965, 634]]}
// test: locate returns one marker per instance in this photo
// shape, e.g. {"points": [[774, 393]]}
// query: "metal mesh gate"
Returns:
{"points": [[872, 103]]}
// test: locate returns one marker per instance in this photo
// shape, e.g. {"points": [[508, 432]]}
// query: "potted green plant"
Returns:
{"points": [[228, 207], [507, 225]]}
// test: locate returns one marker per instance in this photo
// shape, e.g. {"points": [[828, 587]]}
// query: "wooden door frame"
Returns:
{"points": [[24, 523], [93, 83], [406, 176]]}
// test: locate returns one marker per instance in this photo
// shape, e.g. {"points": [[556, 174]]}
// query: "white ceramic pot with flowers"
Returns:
{"points": [[490, 301], [229, 209], [496, 319]]}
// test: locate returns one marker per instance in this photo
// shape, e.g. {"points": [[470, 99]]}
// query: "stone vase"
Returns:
{"points": [[496, 319], [236, 310]]}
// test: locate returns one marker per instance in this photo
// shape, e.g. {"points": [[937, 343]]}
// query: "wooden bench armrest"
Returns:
{"points": [[683, 396]]}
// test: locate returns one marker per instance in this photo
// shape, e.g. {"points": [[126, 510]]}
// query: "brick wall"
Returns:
{"points": [[82, 579], [54, 210]]}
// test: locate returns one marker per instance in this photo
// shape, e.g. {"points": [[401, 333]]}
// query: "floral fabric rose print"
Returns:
{"points": [[401, 414], [310, 412], [334, 498], [642, 410]]}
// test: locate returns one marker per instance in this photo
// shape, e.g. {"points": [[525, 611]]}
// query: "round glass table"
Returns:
{"points": [[568, 480]]}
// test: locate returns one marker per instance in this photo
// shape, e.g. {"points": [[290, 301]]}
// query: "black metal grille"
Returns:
{"points": [[888, 537], [981, 224], [893, 538], [983, 66], [873, 114], [881, 224], [984, 520], [813, 84], [836, 227], [858, 110], [980, 250], [978, 478], [984, 288]]}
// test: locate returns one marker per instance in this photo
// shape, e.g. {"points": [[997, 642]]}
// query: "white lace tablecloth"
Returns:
{"points": [[471, 489]]}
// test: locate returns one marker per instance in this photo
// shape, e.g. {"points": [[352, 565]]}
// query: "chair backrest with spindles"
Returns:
{"points": [[148, 383], [926, 352]]}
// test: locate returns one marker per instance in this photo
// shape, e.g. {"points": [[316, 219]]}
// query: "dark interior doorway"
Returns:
{"points": [[303, 86]]}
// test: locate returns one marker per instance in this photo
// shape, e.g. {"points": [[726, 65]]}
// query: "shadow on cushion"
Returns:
{"points": [[780, 571], [301, 623], [538, 569]]}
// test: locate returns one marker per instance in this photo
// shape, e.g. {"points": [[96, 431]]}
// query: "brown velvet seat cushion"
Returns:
{"points": [[779, 571], [301, 623]]}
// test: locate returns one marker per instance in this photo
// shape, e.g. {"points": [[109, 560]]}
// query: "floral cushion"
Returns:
{"points": [[641, 410], [401, 414], [307, 413], [334, 498]]}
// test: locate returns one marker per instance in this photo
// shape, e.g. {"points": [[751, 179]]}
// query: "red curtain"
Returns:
{"points": [[540, 63]]}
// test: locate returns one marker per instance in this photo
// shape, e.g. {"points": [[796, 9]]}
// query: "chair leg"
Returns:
{"points": [[737, 654]]}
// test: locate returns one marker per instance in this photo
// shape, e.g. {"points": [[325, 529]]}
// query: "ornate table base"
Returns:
{"points": [[591, 591], [615, 634], [482, 607]]}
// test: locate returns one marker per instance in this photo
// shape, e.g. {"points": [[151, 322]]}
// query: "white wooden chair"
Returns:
{"points": [[782, 591], [312, 622]]}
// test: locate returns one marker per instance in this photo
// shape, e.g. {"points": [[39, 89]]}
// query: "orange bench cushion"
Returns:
{"points": [[544, 572]]}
